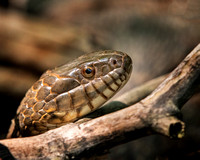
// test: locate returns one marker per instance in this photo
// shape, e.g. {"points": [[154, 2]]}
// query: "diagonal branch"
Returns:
{"points": [[158, 113]]}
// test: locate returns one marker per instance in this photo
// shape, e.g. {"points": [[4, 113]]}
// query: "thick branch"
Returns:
{"points": [[180, 83], [156, 113]]}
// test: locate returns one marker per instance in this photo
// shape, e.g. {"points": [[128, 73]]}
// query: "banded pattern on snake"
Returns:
{"points": [[68, 92]]}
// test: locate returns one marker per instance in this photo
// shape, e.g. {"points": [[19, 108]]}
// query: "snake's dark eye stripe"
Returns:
{"points": [[88, 71]]}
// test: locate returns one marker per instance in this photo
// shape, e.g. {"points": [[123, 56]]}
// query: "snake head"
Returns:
{"points": [[68, 92]]}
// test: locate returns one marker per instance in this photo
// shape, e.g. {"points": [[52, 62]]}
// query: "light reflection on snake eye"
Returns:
{"points": [[88, 71]]}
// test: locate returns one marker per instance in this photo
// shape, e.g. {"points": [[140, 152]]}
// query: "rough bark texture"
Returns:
{"points": [[156, 113]]}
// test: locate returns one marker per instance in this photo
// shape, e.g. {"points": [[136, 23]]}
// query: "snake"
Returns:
{"points": [[66, 93]]}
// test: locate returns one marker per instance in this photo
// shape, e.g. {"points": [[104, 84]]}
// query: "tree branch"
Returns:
{"points": [[157, 113]]}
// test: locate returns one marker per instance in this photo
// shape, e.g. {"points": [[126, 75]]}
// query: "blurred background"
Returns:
{"points": [[37, 35]]}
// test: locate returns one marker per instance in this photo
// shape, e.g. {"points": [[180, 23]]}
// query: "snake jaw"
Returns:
{"points": [[64, 94]]}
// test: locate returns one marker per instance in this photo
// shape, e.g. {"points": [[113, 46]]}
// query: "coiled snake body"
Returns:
{"points": [[68, 92]]}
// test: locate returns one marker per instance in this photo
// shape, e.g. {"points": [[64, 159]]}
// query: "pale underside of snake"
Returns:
{"points": [[69, 92]]}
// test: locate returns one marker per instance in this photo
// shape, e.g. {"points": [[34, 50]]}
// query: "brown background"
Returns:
{"points": [[36, 35]]}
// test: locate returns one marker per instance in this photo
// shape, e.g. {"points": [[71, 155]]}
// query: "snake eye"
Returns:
{"points": [[88, 71]]}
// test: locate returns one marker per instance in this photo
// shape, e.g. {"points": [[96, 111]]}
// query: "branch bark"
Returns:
{"points": [[157, 113]]}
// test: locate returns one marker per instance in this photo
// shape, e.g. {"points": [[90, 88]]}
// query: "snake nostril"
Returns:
{"points": [[114, 62]]}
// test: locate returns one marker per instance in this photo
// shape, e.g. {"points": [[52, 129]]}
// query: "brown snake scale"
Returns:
{"points": [[68, 92]]}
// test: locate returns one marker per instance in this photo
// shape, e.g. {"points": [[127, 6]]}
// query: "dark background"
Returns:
{"points": [[36, 35]]}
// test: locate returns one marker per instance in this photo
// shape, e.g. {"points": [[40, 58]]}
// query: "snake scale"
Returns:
{"points": [[68, 92]]}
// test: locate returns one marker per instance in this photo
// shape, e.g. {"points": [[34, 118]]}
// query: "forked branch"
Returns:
{"points": [[157, 113]]}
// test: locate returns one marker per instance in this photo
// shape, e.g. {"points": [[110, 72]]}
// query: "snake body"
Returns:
{"points": [[68, 92]]}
